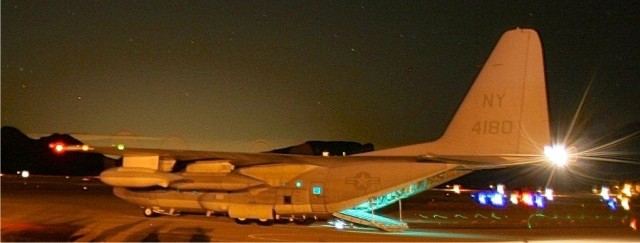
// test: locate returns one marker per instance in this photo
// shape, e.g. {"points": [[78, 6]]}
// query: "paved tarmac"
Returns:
{"points": [[73, 209]]}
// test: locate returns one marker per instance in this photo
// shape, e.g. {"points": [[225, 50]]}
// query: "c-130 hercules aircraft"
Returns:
{"points": [[502, 121]]}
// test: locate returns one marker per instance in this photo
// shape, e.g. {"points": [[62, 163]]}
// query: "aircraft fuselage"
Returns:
{"points": [[308, 191]]}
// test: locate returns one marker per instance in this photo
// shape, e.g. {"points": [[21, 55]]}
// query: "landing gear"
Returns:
{"points": [[241, 220], [262, 222], [155, 211], [265, 222], [148, 212]]}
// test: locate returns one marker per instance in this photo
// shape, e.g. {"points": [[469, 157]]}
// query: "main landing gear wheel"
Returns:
{"points": [[148, 212], [265, 222], [241, 220]]}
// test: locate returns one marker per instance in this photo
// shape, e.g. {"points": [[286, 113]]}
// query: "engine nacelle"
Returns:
{"points": [[137, 177]]}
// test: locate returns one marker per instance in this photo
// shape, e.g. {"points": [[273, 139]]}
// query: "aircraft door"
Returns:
{"points": [[316, 197]]}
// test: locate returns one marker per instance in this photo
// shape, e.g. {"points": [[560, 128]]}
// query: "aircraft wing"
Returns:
{"points": [[248, 159], [483, 162]]}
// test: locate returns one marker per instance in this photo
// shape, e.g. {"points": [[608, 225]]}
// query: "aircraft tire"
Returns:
{"points": [[148, 212], [265, 222], [241, 221]]}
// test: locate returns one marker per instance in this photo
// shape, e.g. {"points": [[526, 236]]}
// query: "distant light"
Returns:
{"points": [[500, 189], [456, 188], [339, 224], [120, 146], [624, 202], [612, 204], [539, 201], [626, 190], [57, 147], [498, 200], [527, 198], [482, 198], [25, 174], [633, 224], [298, 184], [325, 153], [557, 154], [514, 198], [548, 193], [85, 147], [605, 193]]}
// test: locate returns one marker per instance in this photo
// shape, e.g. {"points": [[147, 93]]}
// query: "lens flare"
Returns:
{"points": [[590, 149], [557, 154]]}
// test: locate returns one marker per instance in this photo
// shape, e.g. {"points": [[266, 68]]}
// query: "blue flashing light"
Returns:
{"points": [[490, 198], [317, 190], [482, 198], [498, 200], [539, 201], [612, 204]]}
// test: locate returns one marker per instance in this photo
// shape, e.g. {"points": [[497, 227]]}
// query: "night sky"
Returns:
{"points": [[257, 75]]}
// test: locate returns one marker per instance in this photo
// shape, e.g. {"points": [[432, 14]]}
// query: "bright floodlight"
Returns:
{"points": [[626, 190], [557, 154], [604, 192], [548, 193], [500, 189], [339, 224], [624, 202], [456, 189]]}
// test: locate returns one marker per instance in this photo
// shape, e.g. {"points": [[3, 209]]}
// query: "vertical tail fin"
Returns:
{"points": [[505, 111]]}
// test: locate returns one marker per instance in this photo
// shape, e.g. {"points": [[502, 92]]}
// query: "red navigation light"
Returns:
{"points": [[57, 148]]}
